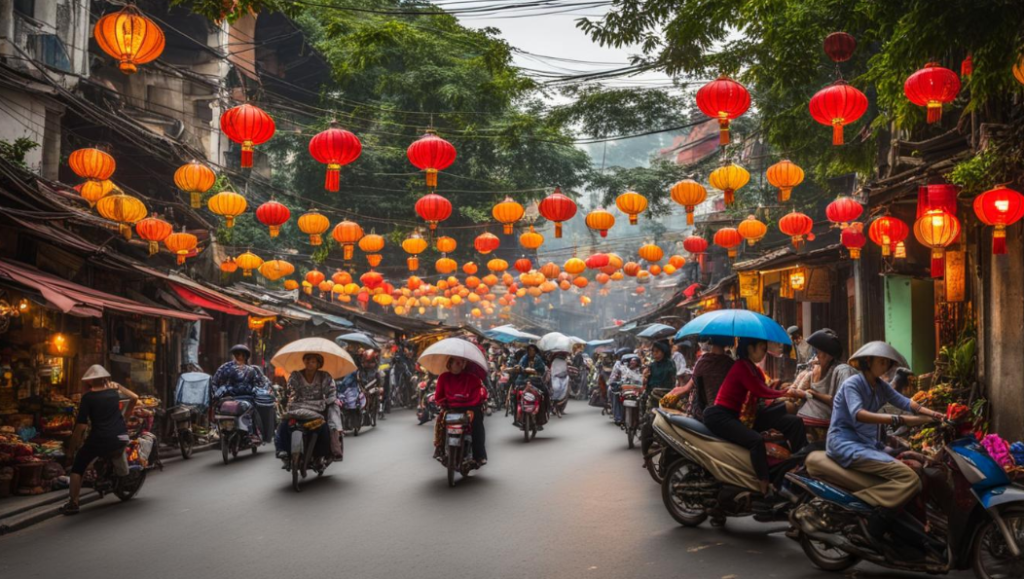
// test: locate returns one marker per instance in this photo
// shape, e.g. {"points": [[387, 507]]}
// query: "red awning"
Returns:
{"points": [[206, 297], [79, 300], [208, 303]]}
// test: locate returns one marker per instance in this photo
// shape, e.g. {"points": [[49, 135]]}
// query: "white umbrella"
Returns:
{"points": [[337, 362], [555, 342], [576, 340], [435, 358]]}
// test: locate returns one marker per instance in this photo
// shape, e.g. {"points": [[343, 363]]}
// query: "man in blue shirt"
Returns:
{"points": [[854, 437]]}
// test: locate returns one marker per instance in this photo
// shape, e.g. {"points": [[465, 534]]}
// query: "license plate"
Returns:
{"points": [[630, 403], [454, 431], [227, 424], [454, 441]]}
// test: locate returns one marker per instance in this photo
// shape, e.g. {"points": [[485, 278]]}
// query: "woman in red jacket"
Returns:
{"points": [[723, 418], [462, 388]]}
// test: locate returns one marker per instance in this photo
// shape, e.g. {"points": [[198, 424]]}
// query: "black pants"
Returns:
{"points": [[479, 434], [93, 449], [726, 424]]}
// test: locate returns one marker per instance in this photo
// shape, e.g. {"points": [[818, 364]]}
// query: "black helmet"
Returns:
{"points": [[240, 348], [826, 341]]}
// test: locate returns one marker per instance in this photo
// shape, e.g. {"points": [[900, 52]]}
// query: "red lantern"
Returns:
{"points": [[723, 99], [839, 46], [730, 239], [930, 87], [1000, 208], [843, 210], [796, 225], [335, 147], [431, 153], [433, 209], [695, 245], [853, 239], [888, 232], [838, 105], [247, 125], [937, 196], [273, 215], [598, 260], [486, 242], [523, 265], [557, 208], [371, 279]]}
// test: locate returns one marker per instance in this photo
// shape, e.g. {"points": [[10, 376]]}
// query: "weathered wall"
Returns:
{"points": [[1003, 335]]}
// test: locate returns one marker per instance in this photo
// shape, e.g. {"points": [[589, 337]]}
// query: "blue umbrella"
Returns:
{"points": [[735, 323], [656, 331], [594, 345]]}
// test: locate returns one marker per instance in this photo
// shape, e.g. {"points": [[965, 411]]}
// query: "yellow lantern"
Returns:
{"points": [[276, 269], [728, 178], [574, 266], [124, 209], [531, 239], [785, 175], [689, 194], [314, 224], [937, 230], [798, 278], [414, 245], [248, 261], [507, 213], [497, 265], [600, 220], [228, 205], [632, 204], [195, 179], [651, 252], [752, 230]]}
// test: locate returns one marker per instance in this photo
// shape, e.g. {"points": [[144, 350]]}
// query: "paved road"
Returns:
{"points": [[573, 503]]}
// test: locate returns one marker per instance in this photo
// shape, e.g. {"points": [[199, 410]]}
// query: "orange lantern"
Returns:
{"points": [[195, 179], [276, 269], [651, 252], [325, 286], [785, 175], [497, 266], [371, 243], [677, 261], [248, 261], [228, 205], [796, 225], [752, 230], [124, 209], [445, 265], [632, 269], [414, 245], [728, 178], [631, 203], [600, 220], [347, 234], [315, 277], [580, 282], [154, 230], [341, 278], [93, 191], [229, 265], [291, 284], [728, 238], [937, 229], [655, 270], [507, 213], [181, 245], [689, 194], [445, 244], [92, 164], [469, 268], [531, 239], [129, 37], [550, 270], [574, 266], [314, 224]]}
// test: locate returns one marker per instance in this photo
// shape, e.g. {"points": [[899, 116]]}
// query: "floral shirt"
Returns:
{"points": [[234, 379], [315, 395]]}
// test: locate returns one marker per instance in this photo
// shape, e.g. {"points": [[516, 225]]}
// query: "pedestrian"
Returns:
{"points": [[100, 414]]}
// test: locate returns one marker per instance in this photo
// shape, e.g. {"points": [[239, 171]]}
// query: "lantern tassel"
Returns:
{"points": [[854, 253], [632, 219], [347, 251], [154, 247], [275, 230], [247, 155], [999, 241], [723, 131], [730, 197], [837, 132], [784, 194], [229, 222], [432, 178], [934, 112], [315, 239], [181, 259], [689, 216], [126, 231], [195, 199], [938, 263], [333, 182], [604, 233], [558, 230], [413, 263], [509, 229]]}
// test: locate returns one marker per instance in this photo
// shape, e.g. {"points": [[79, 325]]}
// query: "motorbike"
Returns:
{"points": [[629, 397], [528, 409], [374, 403], [140, 455], [711, 477], [191, 394], [353, 408], [969, 515], [402, 382], [427, 408], [458, 453], [236, 420], [301, 457]]}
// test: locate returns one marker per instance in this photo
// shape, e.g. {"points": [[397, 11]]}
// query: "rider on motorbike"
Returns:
{"points": [[461, 388], [709, 371], [821, 381], [370, 378], [530, 370], [853, 438], [309, 394], [237, 379], [626, 371], [100, 412]]}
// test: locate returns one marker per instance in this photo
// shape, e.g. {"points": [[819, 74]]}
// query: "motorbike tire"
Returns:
{"points": [[225, 448], [687, 519], [655, 465], [1014, 519], [255, 448], [130, 485], [631, 437], [296, 466], [186, 444], [823, 561]]}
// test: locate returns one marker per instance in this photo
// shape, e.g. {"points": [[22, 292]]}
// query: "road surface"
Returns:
{"points": [[573, 503]]}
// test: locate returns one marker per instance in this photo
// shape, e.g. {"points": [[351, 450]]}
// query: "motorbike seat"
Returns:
{"points": [[821, 467], [687, 423]]}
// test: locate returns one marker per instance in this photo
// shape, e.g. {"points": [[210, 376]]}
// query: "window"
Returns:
{"points": [[25, 7]]}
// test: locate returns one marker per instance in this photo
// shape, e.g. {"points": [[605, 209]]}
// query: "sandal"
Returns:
{"points": [[69, 508]]}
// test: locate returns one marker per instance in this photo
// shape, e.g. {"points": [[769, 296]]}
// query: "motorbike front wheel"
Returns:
{"points": [[296, 467], [825, 557], [130, 485], [654, 462], [527, 422], [225, 447], [685, 514], [185, 443], [631, 437], [990, 555]]}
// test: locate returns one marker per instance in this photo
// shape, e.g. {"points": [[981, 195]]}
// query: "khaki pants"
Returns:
{"points": [[882, 484]]}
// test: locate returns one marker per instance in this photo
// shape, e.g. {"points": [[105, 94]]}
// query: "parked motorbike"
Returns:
{"points": [[176, 428], [711, 477], [969, 515], [140, 455], [629, 397], [528, 410], [301, 457], [236, 422], [353, 409], [458, 453]]}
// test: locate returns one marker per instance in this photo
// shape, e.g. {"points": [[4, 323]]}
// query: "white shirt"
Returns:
{"points": [[680, 362]]}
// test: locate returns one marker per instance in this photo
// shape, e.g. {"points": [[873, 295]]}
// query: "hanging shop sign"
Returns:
{"points": [[955, 276], [749, 282]]}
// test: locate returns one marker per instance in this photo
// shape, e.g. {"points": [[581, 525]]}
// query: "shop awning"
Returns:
{"points": [[206, 302], [209, 298], [78, 300]]}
